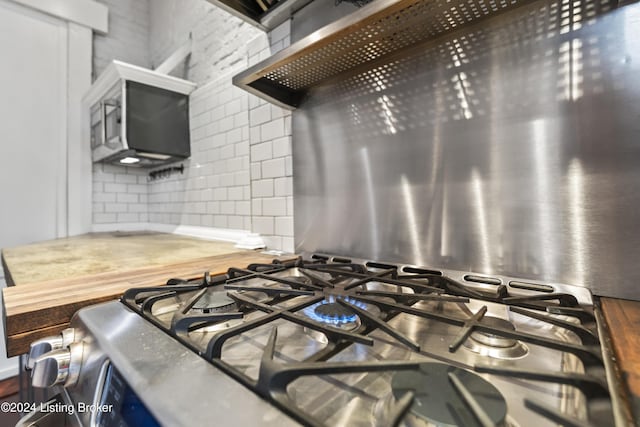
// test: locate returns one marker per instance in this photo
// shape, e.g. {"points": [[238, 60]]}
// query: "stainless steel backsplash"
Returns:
{"points": [[507, 148]]}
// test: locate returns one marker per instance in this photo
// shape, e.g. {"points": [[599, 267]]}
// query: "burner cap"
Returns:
{"points": [[437, 401], [333, 312], [494, 340], [214, 302]]}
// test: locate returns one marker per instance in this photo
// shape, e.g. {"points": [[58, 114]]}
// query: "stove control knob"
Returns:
{"points": [[61, 366], [44, 345]]}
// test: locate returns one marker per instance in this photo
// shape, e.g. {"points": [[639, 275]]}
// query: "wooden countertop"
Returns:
{"points": [[103, 252], [623, 321], [54, 279]]}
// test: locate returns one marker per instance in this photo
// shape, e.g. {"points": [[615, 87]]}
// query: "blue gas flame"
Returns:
{"points": [[334, 320]]}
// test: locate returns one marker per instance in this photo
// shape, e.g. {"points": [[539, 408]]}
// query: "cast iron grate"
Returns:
{"points": [[345, 283]]}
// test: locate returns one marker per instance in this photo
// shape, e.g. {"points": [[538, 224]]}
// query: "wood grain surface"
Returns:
{"points": [[44, 308], [95, 253], [623, 320]]}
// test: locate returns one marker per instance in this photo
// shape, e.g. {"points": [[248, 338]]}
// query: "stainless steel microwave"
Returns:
{"points": [[138, 117]]}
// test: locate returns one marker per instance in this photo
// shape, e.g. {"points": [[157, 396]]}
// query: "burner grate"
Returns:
{"points": [[328, 294]]}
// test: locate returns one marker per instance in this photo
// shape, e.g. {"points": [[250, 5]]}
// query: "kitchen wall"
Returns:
{"points": [[239, 176], [506, 148], [119, 194], [128, 35]]}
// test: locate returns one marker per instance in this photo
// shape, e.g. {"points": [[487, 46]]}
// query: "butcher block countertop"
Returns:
{"points": [[103, 252], [54, 279], [623, 321]]}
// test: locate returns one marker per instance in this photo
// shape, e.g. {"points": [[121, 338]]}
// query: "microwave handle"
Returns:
{"points": [[103, 115]]}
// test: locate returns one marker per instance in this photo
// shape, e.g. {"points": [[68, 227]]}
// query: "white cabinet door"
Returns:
{"points": [[33, 129]]}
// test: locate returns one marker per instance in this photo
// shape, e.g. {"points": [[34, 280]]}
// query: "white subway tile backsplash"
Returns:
{"points": [[126, 179], [235, 222], [226, 179], [263, 225], [256, 170], [241, 119], [284, 226], [115, 188], [288, 245], [254, 135], [235, 193], [273, 168], [100, 177], [242, 148], [220, 194], [276, 206], [213, 181], [256, 207], [199, 133], [104, 197], [283, 186], [138, 207], [225, 124], [242, 177], [260, 115], [220, 221], [115, 207], [243, 208], [282, 147], [288, 166], [213, 207], [227, 152], [136, 188], [207, 220], [273, 129], [234, 165], [128, 217], [234, 106], [104, 218], [290, 206], [262, 188], [234, 135], [126, 198], [273, 241], [263, 151]]}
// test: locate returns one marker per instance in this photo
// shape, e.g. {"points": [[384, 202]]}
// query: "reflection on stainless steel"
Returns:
{"points": [[516, 142], [158, 369], [577, 225], [411, 220]]}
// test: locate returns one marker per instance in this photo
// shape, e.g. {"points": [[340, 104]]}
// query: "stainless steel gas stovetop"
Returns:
{"points": [[338, 342]]}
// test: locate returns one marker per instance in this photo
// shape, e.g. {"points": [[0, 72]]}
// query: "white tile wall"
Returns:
{"points": [[215, 188], [271, 171], [239, 175], [119, 194], [128, 37], [219, 39]]}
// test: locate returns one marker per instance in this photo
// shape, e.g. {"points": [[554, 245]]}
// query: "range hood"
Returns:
{"points": [[138, 117]]}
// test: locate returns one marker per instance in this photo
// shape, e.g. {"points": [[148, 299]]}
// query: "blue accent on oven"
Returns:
{"points": [[128, 409]]}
